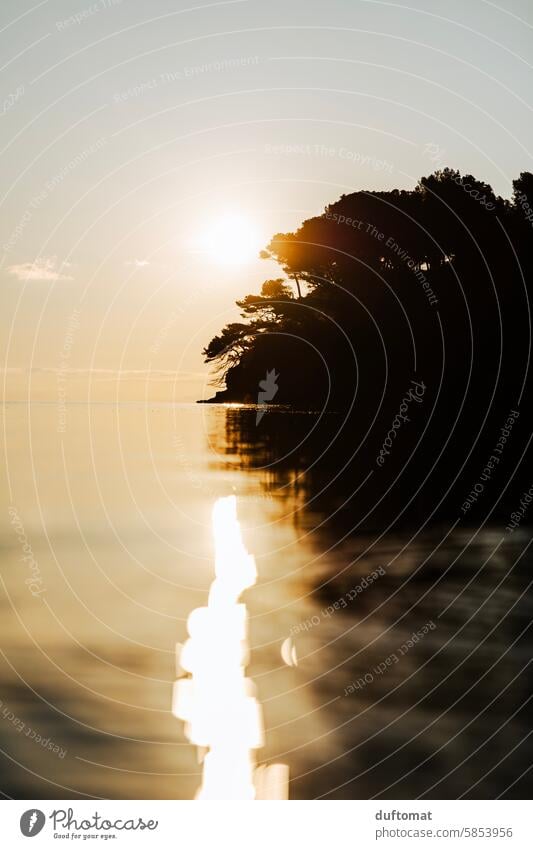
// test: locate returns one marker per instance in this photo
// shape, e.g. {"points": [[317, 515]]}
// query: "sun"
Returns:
{"points": [[230, 239]]}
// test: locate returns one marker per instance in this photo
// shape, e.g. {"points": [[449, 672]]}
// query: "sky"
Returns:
{"points": [[131, 131]]}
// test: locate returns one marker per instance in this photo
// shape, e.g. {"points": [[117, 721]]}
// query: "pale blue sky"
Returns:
{"points": [[125, 132]]}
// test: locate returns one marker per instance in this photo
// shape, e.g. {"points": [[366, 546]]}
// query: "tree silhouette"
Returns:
{"points": [[390, 284]]}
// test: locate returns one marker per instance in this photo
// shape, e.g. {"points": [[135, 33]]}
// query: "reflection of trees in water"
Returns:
{"points": [[460, 692], [330, 460], [269, 449]]}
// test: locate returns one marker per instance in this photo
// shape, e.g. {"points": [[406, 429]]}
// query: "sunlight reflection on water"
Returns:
{"points": [[218, 702]]}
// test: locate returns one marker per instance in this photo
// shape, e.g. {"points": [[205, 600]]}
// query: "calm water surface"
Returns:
{"points": [[107, 547]]}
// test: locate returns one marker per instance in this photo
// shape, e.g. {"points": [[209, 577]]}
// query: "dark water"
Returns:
{"points": [[411, 629]]}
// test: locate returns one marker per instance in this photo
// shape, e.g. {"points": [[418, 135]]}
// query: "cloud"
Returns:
{"points": [[138, 263], [43, 268]]}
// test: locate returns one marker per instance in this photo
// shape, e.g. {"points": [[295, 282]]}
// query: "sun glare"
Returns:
{"points": [[231, 239]]}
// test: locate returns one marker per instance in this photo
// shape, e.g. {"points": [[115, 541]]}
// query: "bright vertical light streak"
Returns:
{"points": [[218, 702]]}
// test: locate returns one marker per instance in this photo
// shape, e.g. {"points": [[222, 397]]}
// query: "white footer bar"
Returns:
{"points": [[267, 825]]}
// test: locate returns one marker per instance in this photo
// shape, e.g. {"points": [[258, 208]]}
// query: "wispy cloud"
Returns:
{"points": [[138, 263], [43, 268]]}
